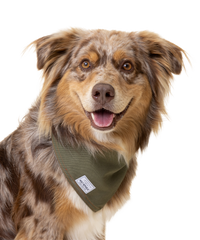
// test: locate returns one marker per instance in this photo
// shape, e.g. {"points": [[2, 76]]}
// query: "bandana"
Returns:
{"points": [[94, 178]]}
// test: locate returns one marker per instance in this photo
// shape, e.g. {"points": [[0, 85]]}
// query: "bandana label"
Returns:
{"points": [[85, 184]]}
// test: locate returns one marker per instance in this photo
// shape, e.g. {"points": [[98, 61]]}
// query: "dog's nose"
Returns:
{"points": [[103, 93]]}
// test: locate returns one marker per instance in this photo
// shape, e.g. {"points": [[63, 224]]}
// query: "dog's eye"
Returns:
{"points": [[127, 66], [85, 64]]}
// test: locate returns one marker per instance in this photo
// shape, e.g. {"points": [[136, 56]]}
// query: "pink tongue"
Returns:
{"points": [[103, 118]]}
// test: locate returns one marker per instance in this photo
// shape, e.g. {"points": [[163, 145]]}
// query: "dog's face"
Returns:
{"points": [[107, 86], [104, 82]]}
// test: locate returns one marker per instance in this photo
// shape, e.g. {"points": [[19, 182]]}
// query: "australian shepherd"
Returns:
{"points": [[102, 90]]}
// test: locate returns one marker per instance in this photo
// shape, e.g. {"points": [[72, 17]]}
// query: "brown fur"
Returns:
{"points": [[36, 200]]}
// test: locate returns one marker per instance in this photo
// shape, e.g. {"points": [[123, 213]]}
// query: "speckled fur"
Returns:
{"points": [[36, 200]]}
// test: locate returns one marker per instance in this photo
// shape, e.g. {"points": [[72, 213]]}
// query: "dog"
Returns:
{"points": [[103, 92]]}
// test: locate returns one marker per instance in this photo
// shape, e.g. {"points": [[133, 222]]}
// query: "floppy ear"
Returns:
{"points": [[43, 49], [161, 58], [164, 53], [50, 48]]}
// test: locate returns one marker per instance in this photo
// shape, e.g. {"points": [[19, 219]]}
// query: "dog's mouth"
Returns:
{"points": [[103, 119]]}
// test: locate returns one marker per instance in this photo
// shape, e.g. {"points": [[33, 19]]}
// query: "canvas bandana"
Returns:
{"points": [[94, 178]]}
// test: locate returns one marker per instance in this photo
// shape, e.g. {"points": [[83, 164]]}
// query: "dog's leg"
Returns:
{"points": [[32, 230], [36, 222], [21, 236]]}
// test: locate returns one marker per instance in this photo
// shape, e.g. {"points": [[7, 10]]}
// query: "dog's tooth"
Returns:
{"points": [[92, 116]]}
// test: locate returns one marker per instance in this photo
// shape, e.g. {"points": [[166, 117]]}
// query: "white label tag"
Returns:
{"points": [[85, 184]]}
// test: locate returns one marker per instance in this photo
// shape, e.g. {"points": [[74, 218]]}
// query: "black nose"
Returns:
{"points": [[103, 93]]}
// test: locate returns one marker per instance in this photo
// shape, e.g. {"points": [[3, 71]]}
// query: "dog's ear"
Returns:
{"points": [[161, 58], [50, 48], [163, 52], [43, 49]]}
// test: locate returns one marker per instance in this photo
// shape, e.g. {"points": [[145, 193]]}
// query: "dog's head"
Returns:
{"points": [[107, 87]]}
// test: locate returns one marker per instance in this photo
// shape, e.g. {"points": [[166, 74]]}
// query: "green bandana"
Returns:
{"points": [[94, 178]]}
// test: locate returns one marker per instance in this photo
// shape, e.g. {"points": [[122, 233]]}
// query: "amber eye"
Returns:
{"points": [[127, 66], [85, 64]]}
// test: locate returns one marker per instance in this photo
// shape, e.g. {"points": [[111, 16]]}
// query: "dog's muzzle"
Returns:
{"points": [[102, 118], [105, 120]]}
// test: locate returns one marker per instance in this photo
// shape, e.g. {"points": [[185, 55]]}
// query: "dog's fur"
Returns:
{"points": [[36, 200]]}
